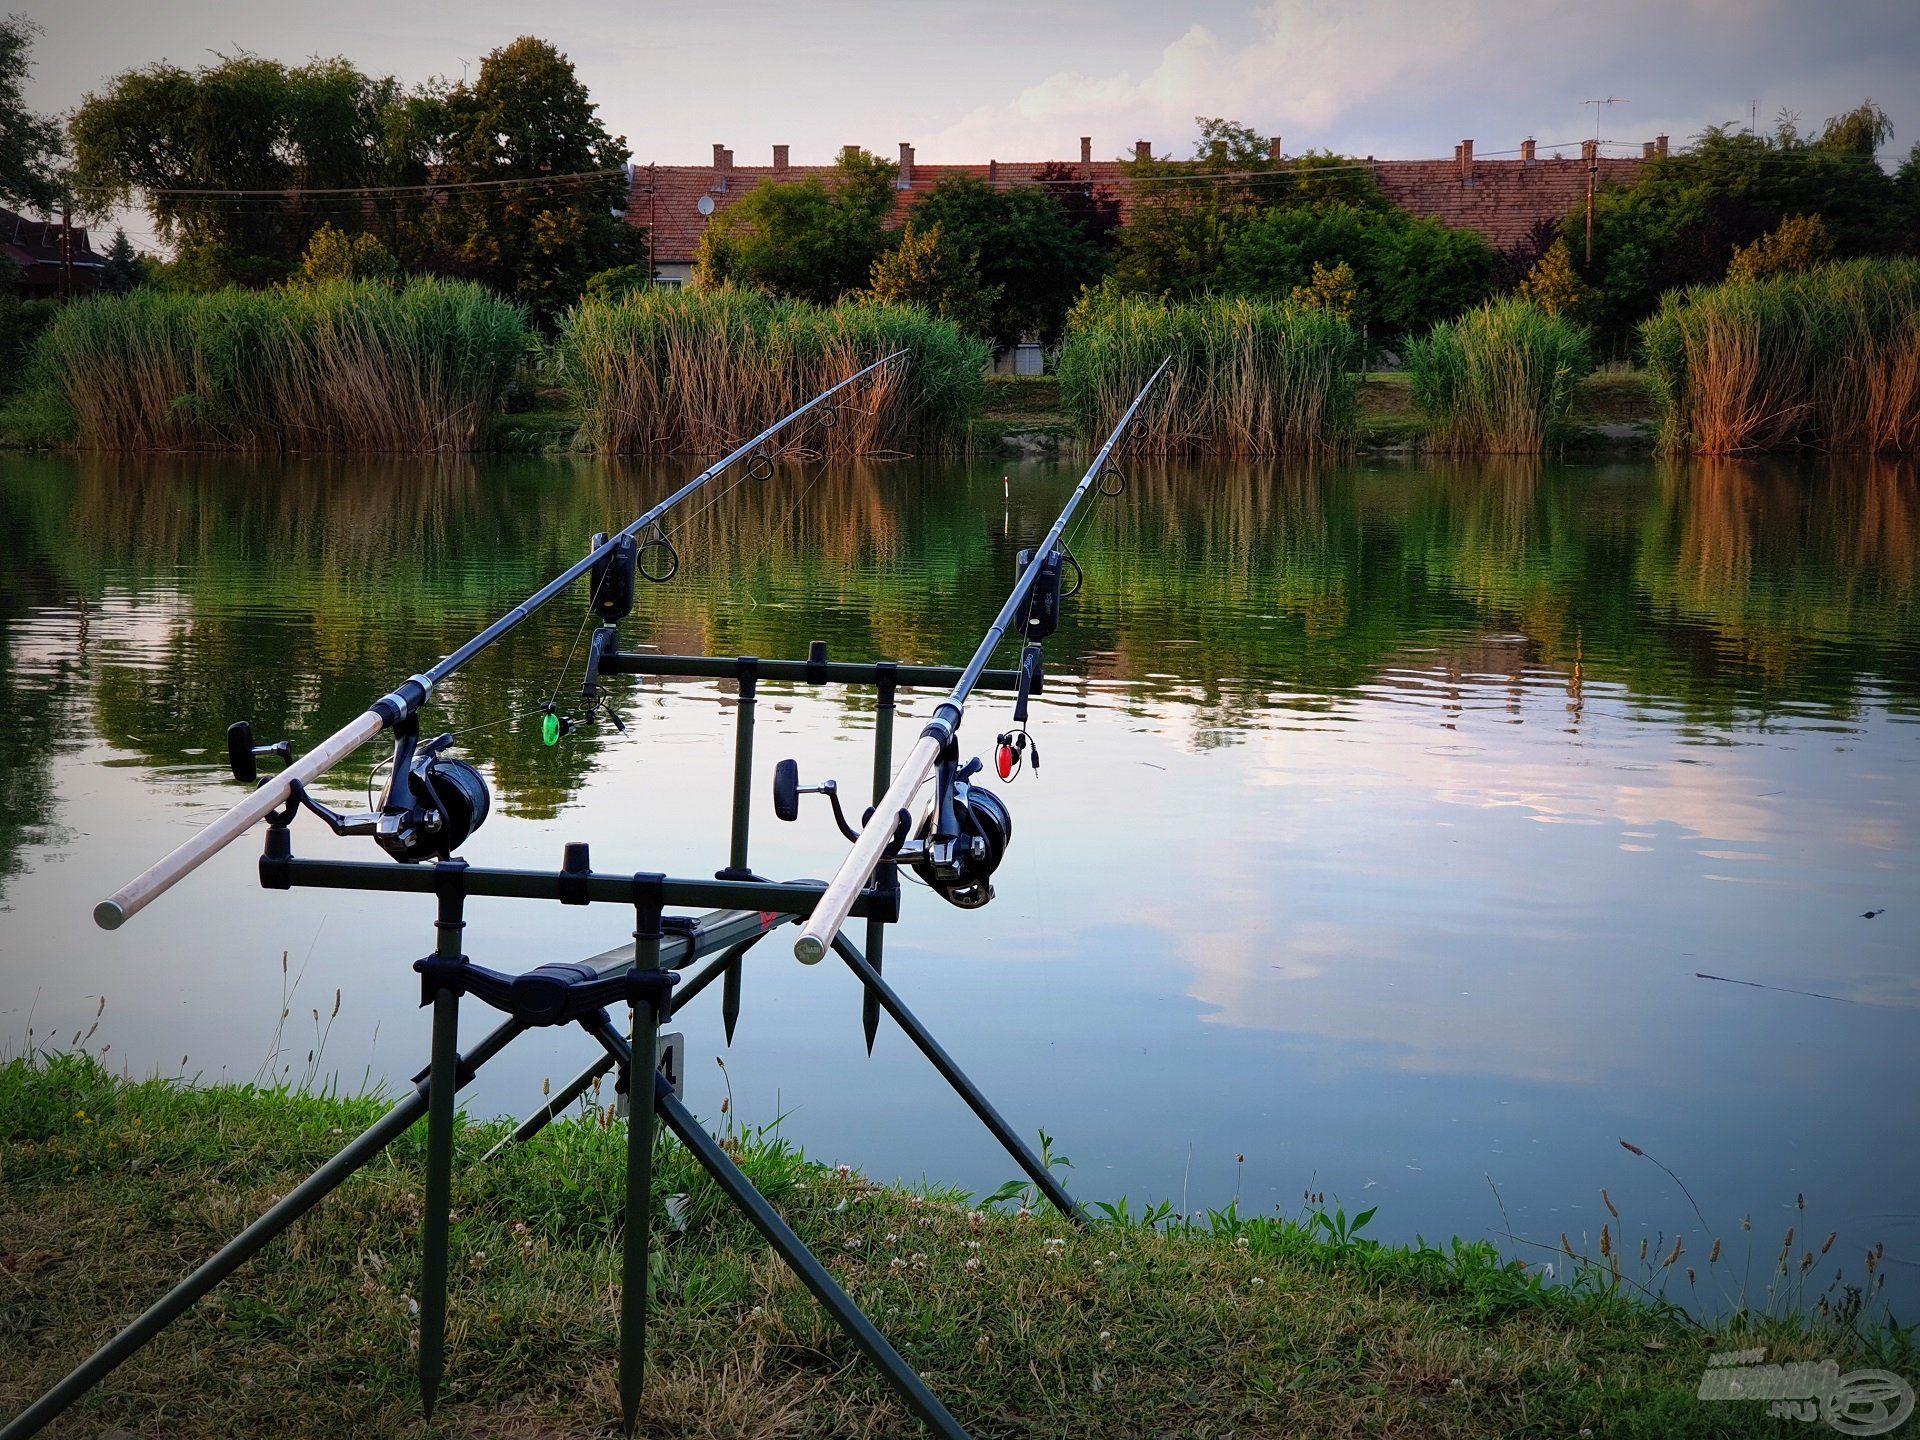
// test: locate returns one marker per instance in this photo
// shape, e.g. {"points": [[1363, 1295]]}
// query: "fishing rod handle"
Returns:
{"points": [[837, 900], [133, 897]]}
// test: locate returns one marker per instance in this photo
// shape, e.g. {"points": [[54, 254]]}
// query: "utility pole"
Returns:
{"points": [[66, 249], [653, 214], [1593, 164]]}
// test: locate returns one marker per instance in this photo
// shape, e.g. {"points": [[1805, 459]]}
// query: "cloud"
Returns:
{"points": [[1386, 74]]}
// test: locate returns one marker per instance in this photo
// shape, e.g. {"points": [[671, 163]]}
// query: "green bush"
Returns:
{"points": [[1826, 358], [675, 371], [1500, 379], [339, 366], [1247, 377]]}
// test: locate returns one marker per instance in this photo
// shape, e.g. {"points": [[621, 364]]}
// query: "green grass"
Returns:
{"points": [[110, 1189], [672, 372], [1499, 380], [337, 367], [1248, 377]]}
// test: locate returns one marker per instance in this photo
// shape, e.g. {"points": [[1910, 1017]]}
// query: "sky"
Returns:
{"points": [[993, 79]]}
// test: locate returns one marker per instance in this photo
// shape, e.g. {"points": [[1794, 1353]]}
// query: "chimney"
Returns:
{"points": [[1646, 150], [779, 157], [905, 182], [727, 158], [1086, 149], [719, 157], [1589, 150], [1143, 150], [1275, 150], [1465, 152], [849, 153], [993, 171], [1526, 151], [1660, 145]]}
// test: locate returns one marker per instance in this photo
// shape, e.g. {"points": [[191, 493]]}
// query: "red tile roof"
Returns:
{"points": [[1504, 202]]}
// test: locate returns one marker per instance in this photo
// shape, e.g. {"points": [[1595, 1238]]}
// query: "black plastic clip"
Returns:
{"points": [[575, 870], [817, 662]]}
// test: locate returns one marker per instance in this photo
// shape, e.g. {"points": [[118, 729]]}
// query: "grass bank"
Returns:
{"points": [[658, 372], [1827, 359], [110, 1190], [360, 367], [1499, 380], [1247, 377]]}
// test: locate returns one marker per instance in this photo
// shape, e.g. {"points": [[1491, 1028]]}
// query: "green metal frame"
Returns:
{"points": [[743, 909]]}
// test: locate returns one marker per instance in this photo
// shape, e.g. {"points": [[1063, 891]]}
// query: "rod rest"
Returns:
{"points": [[556, 994]]}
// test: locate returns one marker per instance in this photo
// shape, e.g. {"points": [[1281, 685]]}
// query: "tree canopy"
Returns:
{"points": [[29, 143], [1687, 214], [804, 238], [526, 120]]}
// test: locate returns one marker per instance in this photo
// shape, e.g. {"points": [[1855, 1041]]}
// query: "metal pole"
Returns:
{"points": [[442, 1081], [959, 1080], [882, 774], [788, 1246], [242, 1248], [644, 1027], [742, 822]]}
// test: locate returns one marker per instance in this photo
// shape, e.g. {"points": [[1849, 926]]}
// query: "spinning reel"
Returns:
{"points": [[433, 802], [958, 845]]}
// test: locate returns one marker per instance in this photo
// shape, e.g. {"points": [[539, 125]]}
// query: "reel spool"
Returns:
{"points": [[448, 802], [959, 868]]}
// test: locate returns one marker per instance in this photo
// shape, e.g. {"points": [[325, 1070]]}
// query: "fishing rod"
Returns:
{"points": [[433, 802], [965, 833]]}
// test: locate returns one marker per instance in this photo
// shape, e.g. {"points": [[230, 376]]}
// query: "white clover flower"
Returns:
{"points": [[973, 1262]]}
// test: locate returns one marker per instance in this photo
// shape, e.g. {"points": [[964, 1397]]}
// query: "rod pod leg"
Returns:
{"points": [[906, 1382], [956, 1077], [443, 1080], [242, 1248]]}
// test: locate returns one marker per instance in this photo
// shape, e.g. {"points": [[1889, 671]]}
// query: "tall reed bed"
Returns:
{"points": [[1499, 380], [1247, 377], [659, 372], [335, 367], [1826, 359]]}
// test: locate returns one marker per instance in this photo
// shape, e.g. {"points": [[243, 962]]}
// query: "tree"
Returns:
{"points": [[1686, 215], [1799, 242], [527, 121], [1027, 252], [1408, 272], [29, 143], [927, 270], [1331, 289], [1184, 235], [334, 255], [803, 238], [1554, 285], [122, 269], [1091, 209], [241, 124], [618, 281]]}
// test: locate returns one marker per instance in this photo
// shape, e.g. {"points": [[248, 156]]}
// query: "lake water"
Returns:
{"points": [[1390, 816]]}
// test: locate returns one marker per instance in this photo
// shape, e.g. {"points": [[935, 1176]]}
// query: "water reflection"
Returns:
{"points": [[1390, 812]]}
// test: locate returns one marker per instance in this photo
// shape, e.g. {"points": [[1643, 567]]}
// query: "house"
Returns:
{"points": [[54, 258], [1503, 199]]}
